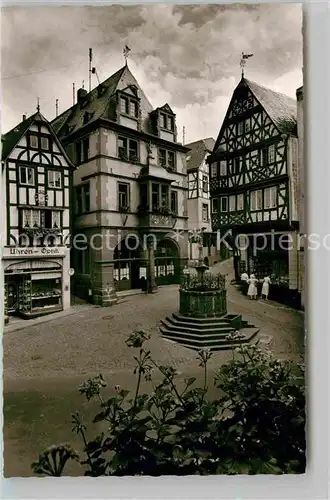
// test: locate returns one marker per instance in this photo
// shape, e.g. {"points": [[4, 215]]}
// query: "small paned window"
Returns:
{"points": [[205, 213], [33, 141], [224, 204], [26, 176], [54, 179]]}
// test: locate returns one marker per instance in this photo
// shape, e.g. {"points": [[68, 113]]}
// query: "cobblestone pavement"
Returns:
{"points": [[92, 340], [45, 362]]}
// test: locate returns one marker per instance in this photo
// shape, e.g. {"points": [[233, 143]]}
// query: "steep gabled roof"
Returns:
{"points": [[99, 102], [281, 109], [11, 138], [198, 150]]}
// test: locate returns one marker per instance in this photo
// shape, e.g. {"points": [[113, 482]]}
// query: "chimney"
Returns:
{"points": [[24, 118], [81, 94]]}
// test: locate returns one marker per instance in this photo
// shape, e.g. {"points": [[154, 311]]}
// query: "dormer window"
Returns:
{"points": [[129, 106], [166, 121]]}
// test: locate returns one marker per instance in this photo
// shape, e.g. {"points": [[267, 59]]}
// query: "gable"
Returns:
{"points": [[167, 109], [274, 114], [37, 143]]}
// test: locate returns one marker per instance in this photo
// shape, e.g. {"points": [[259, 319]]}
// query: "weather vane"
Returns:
{"points": [[243, 61], [126, 52]]}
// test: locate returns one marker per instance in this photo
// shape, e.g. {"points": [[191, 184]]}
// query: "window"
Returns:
{"points": [[264, 157], [26, 176], [240, 128], [166, 121], [256, 200], [215, 205], [223, 167], [271, 153], [160, 196], [82, 198], [123, 196], [31, 218], [270, 197], [214, 170], [33, 141], [82, 150], [247, 125], [232, 203], [235, 165], [164, 196], [47, 219], [128, 149], [166, 159], [174, 202], [129, 107], [124, 105], [56, 218], [205, 184], [44, 142], [54, 179], [205, 213], [223, 204], [155, 196], [240, 201]]}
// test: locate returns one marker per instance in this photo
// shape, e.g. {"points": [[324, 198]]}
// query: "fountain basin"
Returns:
{"points": [[203, 303]]}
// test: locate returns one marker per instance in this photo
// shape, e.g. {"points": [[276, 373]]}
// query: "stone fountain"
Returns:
{"points": [[202, 320]]}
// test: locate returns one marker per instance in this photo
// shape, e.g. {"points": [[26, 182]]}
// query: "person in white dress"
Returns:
{"points": [[265, 287], [252, 291]]}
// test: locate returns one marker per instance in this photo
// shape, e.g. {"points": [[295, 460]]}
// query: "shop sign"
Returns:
{"points": [[33, 252]]}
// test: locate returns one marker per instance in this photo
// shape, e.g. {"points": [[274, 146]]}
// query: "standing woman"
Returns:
{"points": [[252, 291], [265, 287]]}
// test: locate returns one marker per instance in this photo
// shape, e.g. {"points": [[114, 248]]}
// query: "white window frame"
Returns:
{"points": [[205, 182], [232, 203], [121, 195], [205, 209], [224, 198], [214, 170], [56, 217], [240, 128], [32, 183], [52, 182], [272, 197], [31, 217], [256, 200], [33, 136], [214, 205], [271, 153], [223, 168], [240, 202], [47, 147]]}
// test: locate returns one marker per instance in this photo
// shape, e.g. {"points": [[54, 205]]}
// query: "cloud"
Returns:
{"points": [[186, 55]]}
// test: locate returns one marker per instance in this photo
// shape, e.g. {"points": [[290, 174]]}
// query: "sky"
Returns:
{"points": [[185, 55]]}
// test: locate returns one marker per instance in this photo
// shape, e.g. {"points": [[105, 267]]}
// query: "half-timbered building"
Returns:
{"points": [[130, 189], [198, 203], [254, 184], [36, 182]]}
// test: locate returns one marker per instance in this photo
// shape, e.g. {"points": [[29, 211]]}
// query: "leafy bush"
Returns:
{"points": [[257, 425]]}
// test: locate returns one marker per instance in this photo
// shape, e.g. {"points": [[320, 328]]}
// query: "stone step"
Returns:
{"points": [[197, 329], [217, 343], [190, 319]]}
